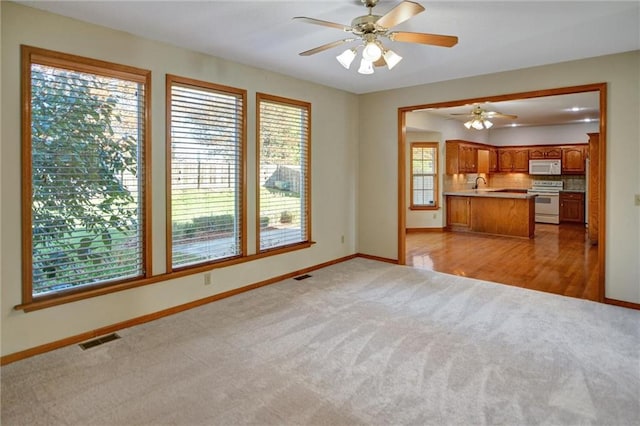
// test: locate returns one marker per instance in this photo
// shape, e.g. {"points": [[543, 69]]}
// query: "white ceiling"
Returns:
{"points": [[572, 108], [493, 36]]}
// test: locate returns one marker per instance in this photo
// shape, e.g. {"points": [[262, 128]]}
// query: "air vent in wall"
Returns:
{"points": [[302, 277], [99, 341]]}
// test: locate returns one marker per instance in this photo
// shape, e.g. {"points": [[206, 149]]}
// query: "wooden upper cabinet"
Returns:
{"points": [[545, 152], [493, 160], [461, 157], [573, 159], [469, 159], [513, 160]]}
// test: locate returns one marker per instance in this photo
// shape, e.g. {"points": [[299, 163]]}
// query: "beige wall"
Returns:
{"points": [[334, 174], [378, 215]]}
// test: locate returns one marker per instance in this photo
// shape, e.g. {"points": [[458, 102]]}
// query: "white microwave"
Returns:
{"points": [[545, 167]]}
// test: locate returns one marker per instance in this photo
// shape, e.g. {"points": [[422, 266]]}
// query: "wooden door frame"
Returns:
{"points": [[601, 88]]}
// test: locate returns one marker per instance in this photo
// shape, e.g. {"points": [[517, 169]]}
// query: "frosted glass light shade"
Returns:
{"points": [[478, 124], [346, 57], [391, 58], [366, 67], [372, 52]]}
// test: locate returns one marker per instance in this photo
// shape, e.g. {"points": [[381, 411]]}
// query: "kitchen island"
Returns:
{"points": [[491, 211]]}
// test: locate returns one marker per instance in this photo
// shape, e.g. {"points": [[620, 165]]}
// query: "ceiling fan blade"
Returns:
{"points": [[325, 47], [323, 23], [433, 39], [380, 62], [492, 114], [399, 14]]}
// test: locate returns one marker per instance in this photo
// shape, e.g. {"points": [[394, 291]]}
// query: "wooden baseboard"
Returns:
{"points": [[17, 356], [378, 258], [414, 230], [622, 303]]}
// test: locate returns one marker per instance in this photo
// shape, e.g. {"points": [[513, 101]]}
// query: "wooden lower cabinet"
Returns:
{"points": [[572, 207], [458, 212], [491, 215]]}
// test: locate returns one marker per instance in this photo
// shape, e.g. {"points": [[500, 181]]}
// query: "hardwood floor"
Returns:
{"points": [[558, 260]]}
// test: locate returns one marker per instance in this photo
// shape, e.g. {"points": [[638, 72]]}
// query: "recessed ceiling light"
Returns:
{"points": [[587, 120], [575, 109]]}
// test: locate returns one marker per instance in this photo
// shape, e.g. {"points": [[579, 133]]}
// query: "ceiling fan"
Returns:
{"points": [[480, 118], [370, 28]]}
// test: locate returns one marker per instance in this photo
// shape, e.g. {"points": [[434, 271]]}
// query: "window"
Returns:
{"points": [[424, 175], [85, 209], [283, 172], [206, 153]]}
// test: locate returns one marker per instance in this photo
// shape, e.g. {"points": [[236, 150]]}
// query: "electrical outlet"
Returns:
{"points": [[207, 278], [435, 216], [637, 199], [342, 239]]}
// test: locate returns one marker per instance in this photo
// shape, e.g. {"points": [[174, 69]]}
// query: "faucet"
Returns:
{"points": [[476, 185]]}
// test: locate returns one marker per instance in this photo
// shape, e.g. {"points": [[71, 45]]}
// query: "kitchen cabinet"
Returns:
{"points": [[458, 212], [573, 160], [509, 215], [483, 161], [572, 207], [545, 153], [513, 160], [493, 160], [461, 157]]}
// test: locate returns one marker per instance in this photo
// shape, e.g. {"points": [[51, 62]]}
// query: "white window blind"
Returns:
{"points": [[424, 174], [206, 140], [85, 170], [284, 196]]}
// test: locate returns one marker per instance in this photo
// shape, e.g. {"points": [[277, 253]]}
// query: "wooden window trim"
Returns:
{"points": [[170, 80], [436, 187], [260, 97], [31, 55]]}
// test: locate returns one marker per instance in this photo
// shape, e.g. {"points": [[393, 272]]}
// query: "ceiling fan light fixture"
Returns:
{"points": [[477, 124], [391, 58], [346, 57], [487, 124], [371, 52], [366, 67], [468, 124]]}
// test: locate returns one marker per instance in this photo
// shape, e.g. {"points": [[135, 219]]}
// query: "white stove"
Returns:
{"points": [[547, 200]]}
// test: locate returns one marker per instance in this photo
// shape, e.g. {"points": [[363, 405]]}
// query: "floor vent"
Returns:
{"points": [[99, 341], [302, 277]]}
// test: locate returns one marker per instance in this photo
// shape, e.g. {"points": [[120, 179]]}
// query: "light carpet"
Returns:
{"points": [[360, 342]]}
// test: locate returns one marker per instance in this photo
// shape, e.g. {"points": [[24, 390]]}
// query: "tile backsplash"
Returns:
{"points": [[509, 180]]}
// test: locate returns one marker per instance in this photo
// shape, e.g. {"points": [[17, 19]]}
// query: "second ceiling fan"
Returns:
{"points": [[480, 118], [370, 28]]}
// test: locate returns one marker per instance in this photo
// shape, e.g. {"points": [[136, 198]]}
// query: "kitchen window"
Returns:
{"points": [[85, 209], [206, 145], [283, 190], [424, 175]]}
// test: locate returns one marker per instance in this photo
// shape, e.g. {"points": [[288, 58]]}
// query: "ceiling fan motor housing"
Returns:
{"points": [[369, 3], [364, 24]]}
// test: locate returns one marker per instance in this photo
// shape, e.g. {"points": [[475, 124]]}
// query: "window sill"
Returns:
{"points": [[55, 300], [424, 208]]}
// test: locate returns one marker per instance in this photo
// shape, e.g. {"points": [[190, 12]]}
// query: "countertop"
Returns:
{"points": [[491, 193]]}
